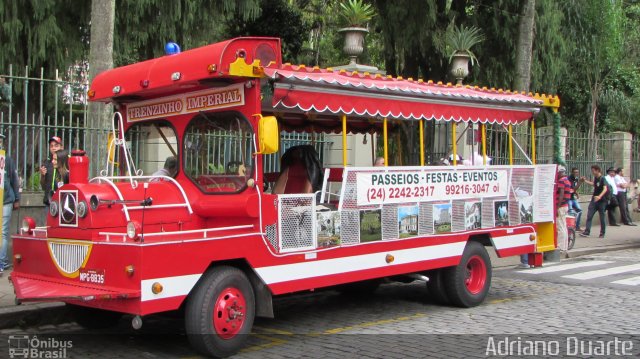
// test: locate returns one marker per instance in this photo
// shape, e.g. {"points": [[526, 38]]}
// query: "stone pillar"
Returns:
{"points": [[621, 150]]}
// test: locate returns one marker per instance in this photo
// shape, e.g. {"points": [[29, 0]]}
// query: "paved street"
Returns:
{"points": [[592, 295]]}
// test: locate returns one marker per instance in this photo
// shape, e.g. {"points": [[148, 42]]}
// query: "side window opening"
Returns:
{"points": [[218, 152], [151, 144]]}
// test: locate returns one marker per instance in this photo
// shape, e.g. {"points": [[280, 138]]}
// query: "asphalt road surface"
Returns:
{"points": [[580, 304]]}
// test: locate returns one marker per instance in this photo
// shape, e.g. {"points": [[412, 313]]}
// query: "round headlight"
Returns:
{"points": [[53, 209], [82, 209], [133, 230], [94, 202]]}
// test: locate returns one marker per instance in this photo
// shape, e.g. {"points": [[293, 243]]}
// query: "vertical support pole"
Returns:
{"points": [[344, 140], [533, 141], [454, 128], [483, 128], [421, 142], [510, 145], [386, 142]]}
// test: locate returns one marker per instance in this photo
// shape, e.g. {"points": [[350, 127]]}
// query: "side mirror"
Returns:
{"points": [[268, 135]]}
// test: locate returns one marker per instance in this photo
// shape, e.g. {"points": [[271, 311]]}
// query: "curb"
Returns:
{"points": [[574, 253], [30, 315]]}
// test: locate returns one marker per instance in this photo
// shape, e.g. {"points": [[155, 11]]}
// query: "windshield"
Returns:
{"points": [[218, 149], [152, 146]]}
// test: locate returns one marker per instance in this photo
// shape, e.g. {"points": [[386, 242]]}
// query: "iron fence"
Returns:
{"points": [[582, 152], [35, 108], [498, 145], [634, 171], [271, 162]]}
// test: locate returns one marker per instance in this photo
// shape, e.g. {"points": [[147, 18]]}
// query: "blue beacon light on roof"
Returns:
{"points": [[171, 48]]}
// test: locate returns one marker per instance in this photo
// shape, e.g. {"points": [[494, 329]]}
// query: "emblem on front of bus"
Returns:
{"points": [[68, 206]]}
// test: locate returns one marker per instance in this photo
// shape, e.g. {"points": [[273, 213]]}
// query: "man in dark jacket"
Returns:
{"points": [[11, 202], [47, 172]]}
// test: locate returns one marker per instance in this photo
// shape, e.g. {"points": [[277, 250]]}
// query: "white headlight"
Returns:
{"points": [[133, 229], [82, 209], [53, 208]]}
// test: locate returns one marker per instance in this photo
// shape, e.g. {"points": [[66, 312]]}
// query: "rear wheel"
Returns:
{"points": [[468, 283], [93, 318], [435, 286], [572, 239], [219, 313]]}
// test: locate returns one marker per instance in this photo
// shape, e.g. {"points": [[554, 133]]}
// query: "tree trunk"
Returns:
{"points": [[524, 47], [100, 59]]}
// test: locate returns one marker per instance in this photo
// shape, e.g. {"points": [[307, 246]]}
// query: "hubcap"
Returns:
{"points": [[476, 275], [229, 313]]}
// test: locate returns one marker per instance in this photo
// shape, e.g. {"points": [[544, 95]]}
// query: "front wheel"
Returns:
{"points": [[220, 312], [468, 283]]}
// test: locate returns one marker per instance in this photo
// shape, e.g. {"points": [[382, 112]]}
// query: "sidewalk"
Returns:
{"points": [[27, 314]]}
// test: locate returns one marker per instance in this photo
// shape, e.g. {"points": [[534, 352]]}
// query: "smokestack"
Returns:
{"points": [[78, 167]]}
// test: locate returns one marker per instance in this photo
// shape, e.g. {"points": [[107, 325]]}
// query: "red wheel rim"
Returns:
{"points": [[476, 275], [229, 313]]}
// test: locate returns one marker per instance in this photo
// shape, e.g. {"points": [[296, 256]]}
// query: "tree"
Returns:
{"points": [[525, 45], [101, 58], [278, 19], [597, 29]]}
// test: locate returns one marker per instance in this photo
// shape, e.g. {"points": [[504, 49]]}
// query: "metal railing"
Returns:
{"points": [[582, 152], [634, 171], [37, 108], [271, 162]]}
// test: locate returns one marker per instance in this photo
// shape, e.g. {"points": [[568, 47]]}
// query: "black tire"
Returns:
{"points": [[93, 318], [571, 238], [359, 289], [200, 315], [436, 288], [461, 293]]}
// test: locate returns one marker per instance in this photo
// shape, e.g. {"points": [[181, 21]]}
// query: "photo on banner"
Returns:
{"points": [[328, 228], [442, 214], [408, 221], [370, 225], [501, 213], [526, 209], [472, 215]]}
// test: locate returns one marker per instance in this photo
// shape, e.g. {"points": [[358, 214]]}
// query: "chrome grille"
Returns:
{"points": [[69, 257]]}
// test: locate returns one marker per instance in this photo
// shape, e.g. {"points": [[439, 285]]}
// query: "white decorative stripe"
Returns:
{"points": [[171, 286], [294, 271], [69, 257], [512, 241]]}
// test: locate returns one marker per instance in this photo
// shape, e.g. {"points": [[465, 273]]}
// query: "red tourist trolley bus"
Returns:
{"points": [[215, 242]]}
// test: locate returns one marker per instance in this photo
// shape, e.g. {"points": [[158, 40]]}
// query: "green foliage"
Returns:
{"points": [[278, 19], [460, 39], [356, 13]]}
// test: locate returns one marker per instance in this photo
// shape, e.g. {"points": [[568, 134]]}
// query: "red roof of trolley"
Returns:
{"points": [[372, 95]]}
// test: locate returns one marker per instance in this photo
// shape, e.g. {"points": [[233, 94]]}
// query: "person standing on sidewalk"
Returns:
{"points": [[621, 186], [574, 202], [612, 197], [48, 170], [598, 201], [11, 202], [563, 195]]}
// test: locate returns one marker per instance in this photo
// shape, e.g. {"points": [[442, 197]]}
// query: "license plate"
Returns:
{"points": [[94, 276]]}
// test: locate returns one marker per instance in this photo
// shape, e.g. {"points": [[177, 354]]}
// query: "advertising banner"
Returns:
{"points": [[418, 186]]}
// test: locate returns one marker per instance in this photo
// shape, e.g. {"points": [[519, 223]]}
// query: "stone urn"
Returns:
{"points": [[460, 66], [353, 42]]}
